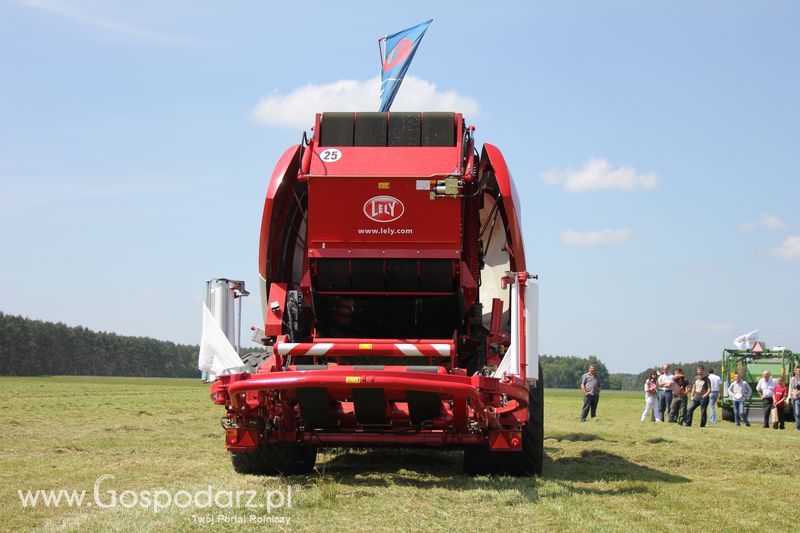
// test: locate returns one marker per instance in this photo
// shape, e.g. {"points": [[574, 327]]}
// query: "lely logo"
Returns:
{"points": [[383, 208]]}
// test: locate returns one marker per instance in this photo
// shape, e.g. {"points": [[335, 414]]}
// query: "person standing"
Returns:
{"points": [[701, 389], [665, 392], [739, 391], [590, 386], [765, 388], [779, 396], [651, 397], [680, 391], [716, 384], [794, 394]]}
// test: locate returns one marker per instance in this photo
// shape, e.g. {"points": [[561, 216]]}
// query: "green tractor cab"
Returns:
{"points": [[751, 364]]}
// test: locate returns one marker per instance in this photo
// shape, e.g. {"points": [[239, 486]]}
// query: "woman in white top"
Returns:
{"points": [[651, 397]]}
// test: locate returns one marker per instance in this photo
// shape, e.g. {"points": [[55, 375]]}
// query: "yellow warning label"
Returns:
{"points": [[352, 379], [383, 184], [364, 346]]}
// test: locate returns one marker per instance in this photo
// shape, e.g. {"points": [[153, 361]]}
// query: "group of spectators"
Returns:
{"points": [[775, 397], [671, 396]]}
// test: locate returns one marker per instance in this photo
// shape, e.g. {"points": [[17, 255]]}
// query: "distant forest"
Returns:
{"points": [[34, 347]]}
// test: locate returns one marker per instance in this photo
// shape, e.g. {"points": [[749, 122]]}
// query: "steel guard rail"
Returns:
{"points": [[471, 387]]}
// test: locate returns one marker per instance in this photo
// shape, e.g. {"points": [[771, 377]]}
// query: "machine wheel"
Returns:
{"points": [[481, 461], [276, 459], [727, 414], [253, 360]]}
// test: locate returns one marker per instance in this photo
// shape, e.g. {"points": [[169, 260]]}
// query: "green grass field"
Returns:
{"points": [[610, 474]]}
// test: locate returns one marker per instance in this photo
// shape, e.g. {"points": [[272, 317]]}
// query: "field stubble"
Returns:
{"points": [[613, 473]]}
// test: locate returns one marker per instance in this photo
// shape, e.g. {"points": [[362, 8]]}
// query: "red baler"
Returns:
{"points": [[398, 309]]}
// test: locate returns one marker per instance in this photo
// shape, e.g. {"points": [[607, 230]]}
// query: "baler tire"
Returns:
{"points": [[253, 360], [276, 459], [481, 461]]}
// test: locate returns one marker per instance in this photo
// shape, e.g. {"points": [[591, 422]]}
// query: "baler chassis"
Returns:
{"points": [[398, 310]]}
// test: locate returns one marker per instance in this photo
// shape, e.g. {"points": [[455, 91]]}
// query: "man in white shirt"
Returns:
{"points": [[765, 387], [716, 384], [665, 381]]}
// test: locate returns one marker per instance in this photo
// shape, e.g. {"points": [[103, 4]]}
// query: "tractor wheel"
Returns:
{"points": [[481, 461], [727, 414], [276, 459]]}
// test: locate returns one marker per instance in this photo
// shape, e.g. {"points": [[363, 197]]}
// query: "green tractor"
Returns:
{"points": [[751, 364]]}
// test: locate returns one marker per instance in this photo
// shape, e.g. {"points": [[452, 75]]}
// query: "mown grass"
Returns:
{"points": [[610, 474]]}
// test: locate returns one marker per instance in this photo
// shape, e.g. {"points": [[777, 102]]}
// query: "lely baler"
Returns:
{"points": [[398, 308]]}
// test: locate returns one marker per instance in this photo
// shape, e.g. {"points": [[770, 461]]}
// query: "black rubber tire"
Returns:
{"points": [[253, 360], [276, 459], [481, 461]]}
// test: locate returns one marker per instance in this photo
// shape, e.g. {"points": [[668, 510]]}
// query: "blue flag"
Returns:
{"points": [[396, 55]]}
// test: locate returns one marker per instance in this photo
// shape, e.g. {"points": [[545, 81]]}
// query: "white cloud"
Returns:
{"points": [[765, 221], [597, 175], [596, 237], [789, 249], [69, 10], [297, 108]]}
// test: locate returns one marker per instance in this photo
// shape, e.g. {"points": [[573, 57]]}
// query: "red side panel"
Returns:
{"points": [[510, 207], [285, 172]]}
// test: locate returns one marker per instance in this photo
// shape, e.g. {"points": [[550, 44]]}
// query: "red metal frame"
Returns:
{"points": [[472, 405], [493, 158]]}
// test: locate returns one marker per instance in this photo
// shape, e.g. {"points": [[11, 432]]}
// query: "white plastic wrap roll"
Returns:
{"points": [[217, 354]]}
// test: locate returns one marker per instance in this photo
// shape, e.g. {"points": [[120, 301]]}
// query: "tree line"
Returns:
{"points": [[35, 347], [562, 372], [565, 372]]}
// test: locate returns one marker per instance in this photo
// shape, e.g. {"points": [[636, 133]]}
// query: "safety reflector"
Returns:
{"points": [[499, 442], [241, 438], [247, 439], [507, 441]]}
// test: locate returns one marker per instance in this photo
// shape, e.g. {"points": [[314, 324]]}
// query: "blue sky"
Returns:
{"points": [[654, 146]]}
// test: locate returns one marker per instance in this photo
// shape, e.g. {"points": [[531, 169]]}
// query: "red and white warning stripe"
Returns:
{"points": [[365, 348]]}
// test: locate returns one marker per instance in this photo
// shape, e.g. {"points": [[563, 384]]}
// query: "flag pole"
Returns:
{"points": [[380, 48]]}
